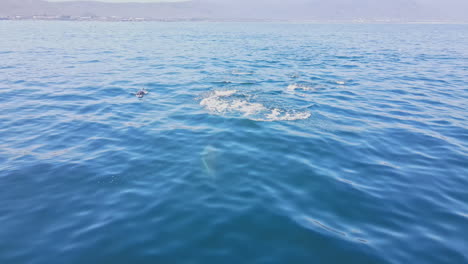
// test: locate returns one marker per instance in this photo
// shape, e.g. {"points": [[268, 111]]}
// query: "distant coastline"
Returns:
{"points": [[311, 11]]}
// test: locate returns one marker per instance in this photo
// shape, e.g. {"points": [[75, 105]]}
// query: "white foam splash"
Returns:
{"points": [[223, 102], [293, 87], [225, 93], [280, 115], [218, 103], [341, 82]]}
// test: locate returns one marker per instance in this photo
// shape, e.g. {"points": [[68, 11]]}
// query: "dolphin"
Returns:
{"points": [[141, 93]]}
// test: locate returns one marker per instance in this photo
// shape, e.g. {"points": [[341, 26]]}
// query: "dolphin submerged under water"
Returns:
{"points": [[208, 159]]}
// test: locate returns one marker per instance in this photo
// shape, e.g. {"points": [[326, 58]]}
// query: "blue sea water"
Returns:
{"points": [[257, 143]]}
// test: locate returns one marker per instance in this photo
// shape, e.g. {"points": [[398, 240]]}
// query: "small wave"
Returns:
{"points": [[341, 82], [241, 73], [223, 82], [89, 61], [247, 82], [225, 102]]}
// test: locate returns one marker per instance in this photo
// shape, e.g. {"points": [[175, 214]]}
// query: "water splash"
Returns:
{"points": [[232, 102]]}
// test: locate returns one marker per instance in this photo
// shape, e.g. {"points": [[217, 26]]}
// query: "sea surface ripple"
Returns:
{"points": [[257, 143]]}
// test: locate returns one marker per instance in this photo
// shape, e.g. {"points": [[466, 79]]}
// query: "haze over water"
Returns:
{"points": [[257, 143]]}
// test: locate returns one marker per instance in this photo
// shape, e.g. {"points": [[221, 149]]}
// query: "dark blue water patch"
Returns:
{"points": [[139, 58], [94, 109], [187, 66], [350, 58], [106, 52], [110, 73], [424, 79], [437, 57], [89, 61], [349, 93], [116, 91], [120, 82], [399, 91], [67, 97], [172, 73], [157, 66]]}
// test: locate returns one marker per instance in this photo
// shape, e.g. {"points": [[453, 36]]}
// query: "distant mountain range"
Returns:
{"points": [[319, 10]]}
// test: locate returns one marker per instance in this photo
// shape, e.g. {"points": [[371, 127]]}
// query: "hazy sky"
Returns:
{"points": [[124, 1]]}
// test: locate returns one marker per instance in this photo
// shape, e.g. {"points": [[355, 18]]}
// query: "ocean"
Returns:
{"points": [[255, 143]]}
